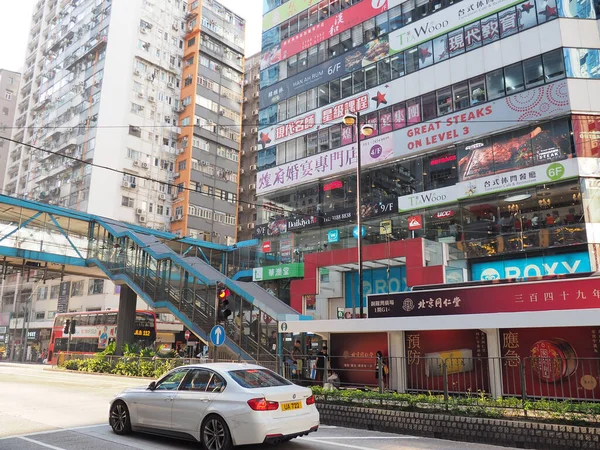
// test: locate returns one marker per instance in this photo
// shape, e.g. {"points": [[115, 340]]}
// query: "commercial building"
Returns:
{"points": [[9, 89], [205, 200], [247, 215], [483, 165]]}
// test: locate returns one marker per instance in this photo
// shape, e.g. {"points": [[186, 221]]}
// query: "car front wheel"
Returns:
{"points": [[119, 418], [215, 434]]}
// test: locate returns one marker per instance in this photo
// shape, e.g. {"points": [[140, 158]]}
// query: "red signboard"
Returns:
{"points": [[353, 357], [333, 185], [187, 335], [577, 293], [557, 362], [415, 222], [266, 246], [444, 214], [461, 351], [322, 31], [586, 134], [297, 126], [338, 111]]}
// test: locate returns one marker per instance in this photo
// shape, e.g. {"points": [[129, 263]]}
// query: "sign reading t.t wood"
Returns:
{"points": [[578, 293]]}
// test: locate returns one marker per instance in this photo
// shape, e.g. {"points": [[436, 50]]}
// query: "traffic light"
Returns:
{"points": [[223, 293], [73, 324], [67, 327]]}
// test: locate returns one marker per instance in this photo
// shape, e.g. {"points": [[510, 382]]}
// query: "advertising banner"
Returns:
{"points": [[503, 298], [535, 266], [353, 356], [292, 270], [63, 297], [586, 134], [375, 281], [369, 210], [538, 103], [557, 362], [322, 31], [530, 176], [582, 62], [332, 69], [444, 21], [459, 350]]}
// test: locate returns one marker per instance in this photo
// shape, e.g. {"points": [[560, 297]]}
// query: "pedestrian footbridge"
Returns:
{"points": [[170, 273]]}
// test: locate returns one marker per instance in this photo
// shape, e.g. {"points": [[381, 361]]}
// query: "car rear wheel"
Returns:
{"points": [[215, 434], [119, 418]]}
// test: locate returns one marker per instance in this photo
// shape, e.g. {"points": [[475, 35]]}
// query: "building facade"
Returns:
{"points": [[247, 208], [483, 163], [207, 166], [100, 86], [9, 89]]}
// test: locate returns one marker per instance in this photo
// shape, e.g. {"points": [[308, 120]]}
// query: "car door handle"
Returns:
{"points": [[204, 399], [169, 399]]}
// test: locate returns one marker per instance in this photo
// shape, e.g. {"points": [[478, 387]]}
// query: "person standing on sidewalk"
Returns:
{"points": [[321, 357]]}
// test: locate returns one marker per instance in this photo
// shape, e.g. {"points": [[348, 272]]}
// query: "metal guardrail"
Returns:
{"points": [[530, 378]]}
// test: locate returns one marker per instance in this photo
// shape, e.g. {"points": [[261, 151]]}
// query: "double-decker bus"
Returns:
{"points": [[93, 331]]}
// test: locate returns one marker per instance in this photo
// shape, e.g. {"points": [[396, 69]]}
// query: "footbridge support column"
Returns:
{"points": [[125, 318]]}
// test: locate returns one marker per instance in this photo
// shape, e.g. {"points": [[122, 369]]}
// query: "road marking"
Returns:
{"points": [[56, 430], [366, 437], [337, 444], [41, 443]]}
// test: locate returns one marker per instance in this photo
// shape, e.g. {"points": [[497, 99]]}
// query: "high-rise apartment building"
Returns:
{"points": [[248, 158], [101, 85], [205, 200], [9, 89], [481, 164]]}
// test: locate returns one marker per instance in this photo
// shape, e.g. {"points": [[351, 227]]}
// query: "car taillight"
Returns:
{"points": [[261, 404], [310, 400]]}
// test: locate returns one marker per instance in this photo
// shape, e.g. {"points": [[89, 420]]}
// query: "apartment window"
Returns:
{"points": [[42, 293], [160, 209], [54, 290], [8, 94], [179, 211], [40, 315], [11, 80], [127, 201], [181, 165], [135, 131], [51, 314], [513, 76], [77, 288], [180, 187], [191, 42], [96, 286]]}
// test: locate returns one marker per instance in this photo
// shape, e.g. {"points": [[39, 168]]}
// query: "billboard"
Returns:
{"points": [[559, 295], [582, 62], [586, 135], [375, 281], [322, 31], [538, 103], [462, 351], [557, 362], [325, 72], [535, 266]]}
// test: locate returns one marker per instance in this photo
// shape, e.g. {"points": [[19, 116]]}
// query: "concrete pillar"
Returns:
{"points": [[397, 361], [494, 351], [126, 317]]}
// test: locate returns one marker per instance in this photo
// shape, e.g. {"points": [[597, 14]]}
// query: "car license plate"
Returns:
{"points": [[291, 405]]}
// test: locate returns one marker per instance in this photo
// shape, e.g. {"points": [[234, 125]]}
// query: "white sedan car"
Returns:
{"points": [[221, 405]]}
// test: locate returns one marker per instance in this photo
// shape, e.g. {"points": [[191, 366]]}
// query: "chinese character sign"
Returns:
{"points": [[513, 297]]}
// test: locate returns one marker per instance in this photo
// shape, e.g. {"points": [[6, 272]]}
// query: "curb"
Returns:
{"points": [[78, 372]]}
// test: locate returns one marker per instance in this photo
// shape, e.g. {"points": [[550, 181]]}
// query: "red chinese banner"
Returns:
{"points": [[320, 32], [580, 293], [338, 111], [297, 126], [462, 352], [353, 357], [556, 362]]}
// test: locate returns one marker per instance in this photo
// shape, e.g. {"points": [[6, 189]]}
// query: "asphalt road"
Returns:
{"points": [[68, 411]]}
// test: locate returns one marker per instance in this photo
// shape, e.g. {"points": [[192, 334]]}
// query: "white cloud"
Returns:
{"points": [[15, 17]]}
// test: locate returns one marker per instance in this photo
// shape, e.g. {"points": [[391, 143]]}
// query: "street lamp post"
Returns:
{"points": [[353, 119]]}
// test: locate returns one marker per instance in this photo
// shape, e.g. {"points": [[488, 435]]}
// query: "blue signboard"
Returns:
{"points": [[355, 231], [565, 263], [217, 335], [333, 236], [375, 281]]}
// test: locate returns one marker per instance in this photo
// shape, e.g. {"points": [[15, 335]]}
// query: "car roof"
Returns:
{"points": [[224, 366]]}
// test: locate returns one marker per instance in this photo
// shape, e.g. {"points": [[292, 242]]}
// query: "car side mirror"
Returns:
{"points": [[152, 386]]}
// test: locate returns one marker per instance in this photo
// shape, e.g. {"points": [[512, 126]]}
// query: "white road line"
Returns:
{"points": [[374, 438], [54, 430], [41, 443], [336, 444]]}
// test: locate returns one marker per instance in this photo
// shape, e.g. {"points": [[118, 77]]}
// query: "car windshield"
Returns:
{"points": [[257, 378]]}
